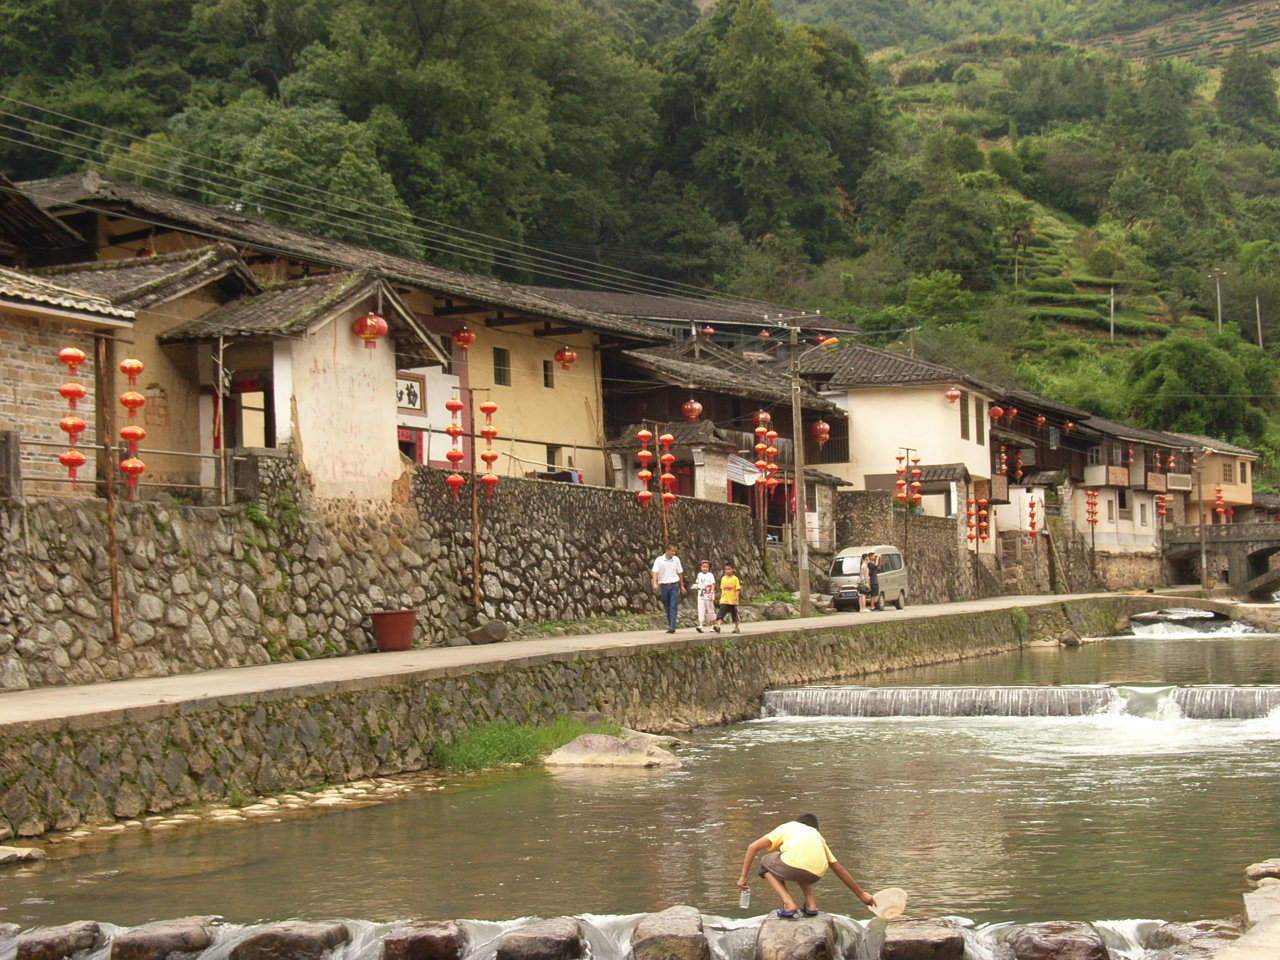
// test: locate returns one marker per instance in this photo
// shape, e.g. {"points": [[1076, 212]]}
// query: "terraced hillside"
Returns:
{"points": [[1206, 37]]}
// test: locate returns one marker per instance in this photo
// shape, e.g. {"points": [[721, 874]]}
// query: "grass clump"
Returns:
{"points": [[502, 742]]}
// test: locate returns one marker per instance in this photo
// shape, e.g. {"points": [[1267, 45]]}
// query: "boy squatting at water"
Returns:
{"points": [[799, 854]]}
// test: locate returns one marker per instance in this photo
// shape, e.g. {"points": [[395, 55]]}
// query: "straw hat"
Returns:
{"points": [[890, 903]]}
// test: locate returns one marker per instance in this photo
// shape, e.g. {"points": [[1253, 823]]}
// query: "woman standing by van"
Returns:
{"points": [[864, 581]]}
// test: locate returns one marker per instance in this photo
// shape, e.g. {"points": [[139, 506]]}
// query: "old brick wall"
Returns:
{"points": [[30, 376], [288, 577]]}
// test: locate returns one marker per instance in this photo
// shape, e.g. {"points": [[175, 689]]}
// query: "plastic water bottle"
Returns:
{"points": [[744, 899]]}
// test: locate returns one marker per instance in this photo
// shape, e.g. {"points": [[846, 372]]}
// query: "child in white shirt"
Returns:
{"points": [[704, 585]]}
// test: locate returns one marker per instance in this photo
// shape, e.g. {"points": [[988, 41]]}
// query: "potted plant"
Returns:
{"points": [[393, 629]]}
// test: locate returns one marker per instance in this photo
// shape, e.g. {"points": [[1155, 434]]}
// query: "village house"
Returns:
{"points": [[538, 359]]}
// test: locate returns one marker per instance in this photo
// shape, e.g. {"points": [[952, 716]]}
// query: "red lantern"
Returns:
{"points": [[708, 332], [666, 440], [1068, 427], [565, 356], [771, 468], [691, 409], [667, 459], [133, 435], [370, 328], [644, 456], [820, 430], [1011, 413], [644, 496], [464, 337], [772, 483], [953, 394], [71, 392], [761, 464], [132, 468], [763, 417], [455, 456], [454, 405], [132, 369], [488, 408], [489, 432], [132, 401], [763, 335], [72, 357], [454, 430], [490, 481], [771, 435], [644, 476], [1040, 420], [644, 435], [72, 459], [996, 412], [668, 499], [456, 482], [73, 426], [490, 457], [667, 479], [770, 452]]}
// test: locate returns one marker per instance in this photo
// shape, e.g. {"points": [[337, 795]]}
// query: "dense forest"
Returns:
{"points": [[1105, 231]]}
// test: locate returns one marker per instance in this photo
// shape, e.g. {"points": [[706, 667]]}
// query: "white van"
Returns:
{"points": [[845, 577]]}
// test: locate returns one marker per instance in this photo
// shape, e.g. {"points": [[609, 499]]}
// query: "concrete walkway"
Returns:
{"points": [[60, 706]]}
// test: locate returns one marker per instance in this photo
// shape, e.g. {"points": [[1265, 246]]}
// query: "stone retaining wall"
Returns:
{"points": [[287, 577], [153, 759]]}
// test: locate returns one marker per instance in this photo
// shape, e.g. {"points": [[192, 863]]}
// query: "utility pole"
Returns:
{"points": [[1113, 315], [797, 444], [1257, 312], [1216, 276], [1204, 562]]}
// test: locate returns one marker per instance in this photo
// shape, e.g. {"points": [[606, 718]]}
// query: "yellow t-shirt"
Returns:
{"points": [[801, 846], [730, 588]]}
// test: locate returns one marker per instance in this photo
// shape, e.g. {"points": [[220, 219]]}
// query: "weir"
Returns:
{"points": [[1164, 702]]}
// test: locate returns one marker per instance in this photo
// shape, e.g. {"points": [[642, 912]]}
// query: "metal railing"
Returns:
{"points": [[223, 489]]}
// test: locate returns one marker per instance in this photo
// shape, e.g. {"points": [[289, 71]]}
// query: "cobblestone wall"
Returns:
{"points": [[285, 577], [151, 759]]}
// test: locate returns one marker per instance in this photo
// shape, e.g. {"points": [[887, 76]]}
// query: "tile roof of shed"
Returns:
{"points": [[139, 282], [25, 224], [27, 288], [860, 365], [286, 310], [1214, 446], [93, 191]]}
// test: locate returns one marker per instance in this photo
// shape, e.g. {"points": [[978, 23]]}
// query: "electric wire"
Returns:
{"points": [[591, 272]]}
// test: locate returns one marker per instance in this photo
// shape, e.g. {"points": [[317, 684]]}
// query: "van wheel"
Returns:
{"points": [[880, 602], [902, 600]]}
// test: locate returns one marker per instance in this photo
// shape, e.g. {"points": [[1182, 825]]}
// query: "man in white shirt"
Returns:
{"points": [[668, 583]]}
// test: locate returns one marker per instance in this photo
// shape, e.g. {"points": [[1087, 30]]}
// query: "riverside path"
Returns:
{"points": [[59, 706]]}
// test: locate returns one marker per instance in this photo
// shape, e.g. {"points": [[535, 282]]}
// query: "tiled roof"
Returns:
{"points": [[695, 433], [1214, 446], [24, 287], [286, 310], [24, 224], [1123, 431], [722, 371], [139, 282], [859, 365], [943, 472], [652, 306], [78, 191]]}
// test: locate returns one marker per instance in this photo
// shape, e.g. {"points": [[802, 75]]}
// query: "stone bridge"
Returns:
{"points": [[1245, 548]]}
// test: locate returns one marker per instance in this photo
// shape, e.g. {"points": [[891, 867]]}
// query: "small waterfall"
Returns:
{"points": [[1226, 703], [1187, 622], [1066, 701], [1155, 702]]}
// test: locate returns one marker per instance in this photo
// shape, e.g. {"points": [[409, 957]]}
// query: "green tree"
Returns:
{"points": [[1247, 91]]}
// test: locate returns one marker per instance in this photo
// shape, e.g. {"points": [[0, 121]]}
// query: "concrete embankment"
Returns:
{"points": [[119, 750]]}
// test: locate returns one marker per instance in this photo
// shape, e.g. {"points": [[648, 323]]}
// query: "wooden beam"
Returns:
{"points": [[459, 310], [556, 331], [505, 321]]}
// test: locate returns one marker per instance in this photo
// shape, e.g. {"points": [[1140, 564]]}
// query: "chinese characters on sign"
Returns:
{"points": [[411, 393]]}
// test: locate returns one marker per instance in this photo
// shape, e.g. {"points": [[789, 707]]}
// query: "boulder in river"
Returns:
{"points": [[1200, 940], [600, 750], [805, 938], [59, 943], [1057, 940], [674, 934], [921, 940], [291, 940], [1257, 871], [555, 939], [425, 940], [165, 940], [20, 854]]}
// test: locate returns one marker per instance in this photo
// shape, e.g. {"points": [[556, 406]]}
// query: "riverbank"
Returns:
{"points": [[126, 750]]}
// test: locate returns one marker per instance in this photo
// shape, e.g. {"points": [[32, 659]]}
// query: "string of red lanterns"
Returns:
{"points": [[454, 455], [72, 425], [667, 460], [1004, 461], [131, 432], [1031, 518], [916, 473], [1162, 506], [983, 526], [644, 455], [1017, 464], [970, 524], [1219, 505], [1091, 507], [901, 482], [490, 456]]}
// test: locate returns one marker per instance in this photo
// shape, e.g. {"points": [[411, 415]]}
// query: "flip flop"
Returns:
{"points": [[809, 913], [788, 914]]}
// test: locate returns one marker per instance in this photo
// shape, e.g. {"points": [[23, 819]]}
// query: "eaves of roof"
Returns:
{"points": [[681, 372], [1210, 445], [25, 288]]}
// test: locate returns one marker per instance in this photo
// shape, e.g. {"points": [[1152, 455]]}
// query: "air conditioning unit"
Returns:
{"points": [[1179, 481]]}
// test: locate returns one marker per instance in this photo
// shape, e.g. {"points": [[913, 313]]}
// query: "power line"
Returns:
{"points": [[590, 272]]}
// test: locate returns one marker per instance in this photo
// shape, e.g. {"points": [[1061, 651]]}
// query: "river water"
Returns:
{"points": [[1132, 812]]}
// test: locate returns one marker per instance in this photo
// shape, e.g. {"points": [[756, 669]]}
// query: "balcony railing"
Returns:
{"points": [[1102, 475]]}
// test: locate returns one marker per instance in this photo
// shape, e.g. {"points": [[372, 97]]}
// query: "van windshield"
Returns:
{"points": [[845, 566]]}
